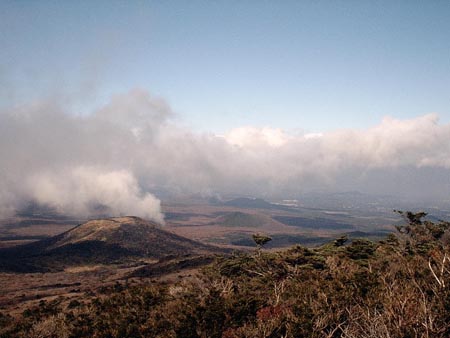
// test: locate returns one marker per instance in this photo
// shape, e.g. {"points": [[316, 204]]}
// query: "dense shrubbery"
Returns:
{"points": [[398, 287]]}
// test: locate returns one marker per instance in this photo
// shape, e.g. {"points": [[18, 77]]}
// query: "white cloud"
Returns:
{"points": [[79, 190], [256, 137], [121, 153]]}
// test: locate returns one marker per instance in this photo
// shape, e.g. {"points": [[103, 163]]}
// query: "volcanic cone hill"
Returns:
{"points": [[104, 241], [242, 219]]}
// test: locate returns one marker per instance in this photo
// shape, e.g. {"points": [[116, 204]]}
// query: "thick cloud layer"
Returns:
{"points": [[118, 155]]}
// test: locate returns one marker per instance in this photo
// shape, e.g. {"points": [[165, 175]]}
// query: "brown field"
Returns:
{"points": [[81, 283], [199, 222]]}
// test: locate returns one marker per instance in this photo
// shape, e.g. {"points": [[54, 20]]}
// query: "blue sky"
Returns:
{"points": [[308, 65]]}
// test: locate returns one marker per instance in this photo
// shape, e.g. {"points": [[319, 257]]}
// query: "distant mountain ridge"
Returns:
{"points": [[104, 241]]}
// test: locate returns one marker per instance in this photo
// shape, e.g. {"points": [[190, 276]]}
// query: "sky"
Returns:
{"points": [[296, 65], [116, 104]]}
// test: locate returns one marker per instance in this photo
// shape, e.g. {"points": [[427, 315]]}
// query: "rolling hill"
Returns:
{"points": [[241, 219], [104, 241]]}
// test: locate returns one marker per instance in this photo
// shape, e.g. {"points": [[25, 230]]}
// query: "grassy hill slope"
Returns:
{"points": [[105, 241]]}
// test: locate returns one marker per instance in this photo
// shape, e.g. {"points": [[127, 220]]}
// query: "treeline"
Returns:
{"points": [[398, 287]]}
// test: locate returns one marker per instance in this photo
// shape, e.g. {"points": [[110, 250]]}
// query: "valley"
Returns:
{"points": [[49, 260], [230, 223]]}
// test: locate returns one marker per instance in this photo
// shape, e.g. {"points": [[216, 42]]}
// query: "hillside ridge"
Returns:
{"points": [[101, 241]]}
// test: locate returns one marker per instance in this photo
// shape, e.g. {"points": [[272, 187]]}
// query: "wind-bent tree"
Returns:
{"points": [[260, 241]]}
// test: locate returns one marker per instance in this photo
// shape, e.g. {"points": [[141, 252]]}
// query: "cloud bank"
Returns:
{"points": [[132, 147]]}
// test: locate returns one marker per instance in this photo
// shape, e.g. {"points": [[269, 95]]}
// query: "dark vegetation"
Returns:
{"points": [[179, 216], [397, 287], [261, 240], [278, 240], [240, 219], [315, 223]]}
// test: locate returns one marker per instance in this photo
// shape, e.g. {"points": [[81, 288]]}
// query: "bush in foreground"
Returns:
{"points": [[398, 287]]}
